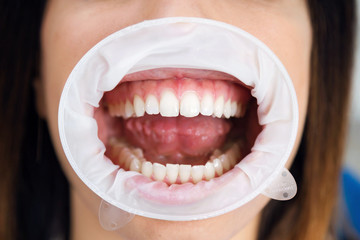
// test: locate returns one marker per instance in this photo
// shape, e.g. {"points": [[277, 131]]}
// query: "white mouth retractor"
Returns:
{"points": [[180, 42]]}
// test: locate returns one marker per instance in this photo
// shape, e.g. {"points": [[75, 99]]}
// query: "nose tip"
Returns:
{"points": [[174, 8]]}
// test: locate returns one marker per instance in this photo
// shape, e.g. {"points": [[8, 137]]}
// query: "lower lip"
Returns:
{"points": [[177, 194]]}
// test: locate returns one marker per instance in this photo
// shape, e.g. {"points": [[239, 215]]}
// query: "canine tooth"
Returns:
{"points": [[197, 173], [207, 105], [169, 104], [233, 109], [139, 106], [209, 171], [189, 105], [172, 172], [225, 162], [129, 109], [227, 109], [159, 171], [218, 166], [135, 165], [184, 172], [219, 107], [147, 169], [151, 105]]}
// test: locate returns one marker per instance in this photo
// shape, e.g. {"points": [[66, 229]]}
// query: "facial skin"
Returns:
{"points": [[71, 27]]}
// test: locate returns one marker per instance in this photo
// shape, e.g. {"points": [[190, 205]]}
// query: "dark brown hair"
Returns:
{"points": [[34, 193], [317, 165]]}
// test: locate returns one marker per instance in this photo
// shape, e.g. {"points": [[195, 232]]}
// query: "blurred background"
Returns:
{"points": [[352, 158]]}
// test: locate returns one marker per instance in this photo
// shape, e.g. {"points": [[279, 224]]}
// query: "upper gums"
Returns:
{"points": [[174, 97]]}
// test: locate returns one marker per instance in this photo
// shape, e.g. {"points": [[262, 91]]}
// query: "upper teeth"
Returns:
{"points": [[190, 105]]}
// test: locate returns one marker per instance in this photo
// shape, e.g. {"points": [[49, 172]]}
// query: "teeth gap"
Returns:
{"points": [[132, 159]]}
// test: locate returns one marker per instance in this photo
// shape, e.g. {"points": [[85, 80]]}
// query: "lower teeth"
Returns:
{"points": [[132, 159]]}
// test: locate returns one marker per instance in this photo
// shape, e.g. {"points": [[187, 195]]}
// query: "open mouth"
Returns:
{"points": [[171, 141], [176, 125]]}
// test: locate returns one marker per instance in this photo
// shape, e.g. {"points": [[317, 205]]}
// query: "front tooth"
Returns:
{"points": [[227, 109], [209, 171], [172, 172], [207, 105], [184, 173], [233, 109], [169, 104], [189, 105], [197, 173], [219, 107], [225, 162], [218, 166], [147, 169], [159, 171], [139, 106], [129, 109], [151, 105], [135, 165]]}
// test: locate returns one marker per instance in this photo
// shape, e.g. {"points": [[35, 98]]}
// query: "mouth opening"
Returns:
{"points": [[178, 125]]}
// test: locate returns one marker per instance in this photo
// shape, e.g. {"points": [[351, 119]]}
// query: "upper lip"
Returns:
{"points": [[177, 73]]}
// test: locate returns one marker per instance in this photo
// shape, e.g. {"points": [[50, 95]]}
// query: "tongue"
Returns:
{"points": [[177, 140]]}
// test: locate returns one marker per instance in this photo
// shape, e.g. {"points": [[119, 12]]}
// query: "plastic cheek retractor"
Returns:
{"points": [[180, 42]]}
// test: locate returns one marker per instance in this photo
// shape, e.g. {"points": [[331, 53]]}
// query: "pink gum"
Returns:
{"points": [[127, 91]]}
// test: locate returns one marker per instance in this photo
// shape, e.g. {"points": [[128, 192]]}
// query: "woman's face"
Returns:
{"points": [[71, 27]]}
